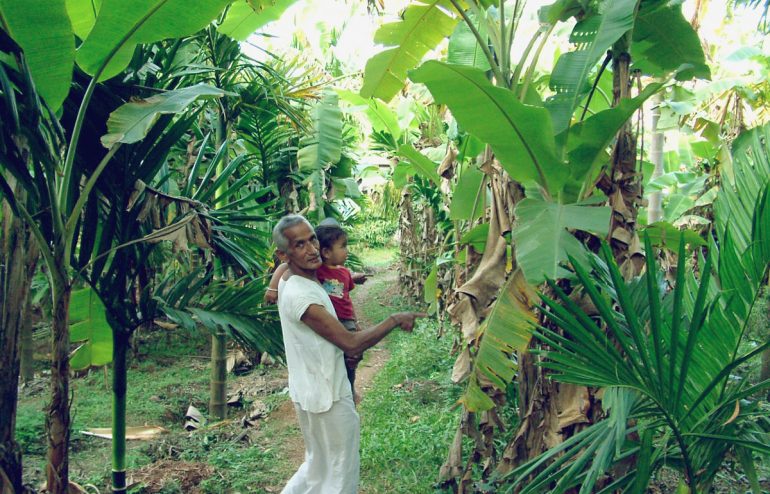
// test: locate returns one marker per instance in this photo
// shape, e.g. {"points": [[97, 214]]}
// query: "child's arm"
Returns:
{"points": [[358, 278], [271, 293]]}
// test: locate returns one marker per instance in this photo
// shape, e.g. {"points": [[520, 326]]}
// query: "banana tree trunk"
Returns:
{"points": [[58, 411], [15, 281], [120, 345], [622, 184]]}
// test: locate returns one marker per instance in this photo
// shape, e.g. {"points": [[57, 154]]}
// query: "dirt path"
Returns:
{"points": [[293, 448]]}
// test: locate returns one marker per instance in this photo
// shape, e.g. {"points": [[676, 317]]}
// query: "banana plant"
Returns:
{"points": [[558, 149], [106, 49]]}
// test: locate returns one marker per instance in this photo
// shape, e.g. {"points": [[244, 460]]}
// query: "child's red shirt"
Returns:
{"points": [[338, 282]]}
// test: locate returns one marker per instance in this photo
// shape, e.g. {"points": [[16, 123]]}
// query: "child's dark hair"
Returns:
{"points": [[328, 234]]}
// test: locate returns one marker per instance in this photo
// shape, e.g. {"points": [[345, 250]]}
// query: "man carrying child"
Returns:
{"points": [[315, 342]]}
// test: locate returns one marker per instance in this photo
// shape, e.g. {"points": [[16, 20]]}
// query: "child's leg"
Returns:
{"points": [[351, 361]]}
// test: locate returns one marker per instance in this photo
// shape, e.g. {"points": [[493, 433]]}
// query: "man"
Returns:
{"points": [[315, 342]]}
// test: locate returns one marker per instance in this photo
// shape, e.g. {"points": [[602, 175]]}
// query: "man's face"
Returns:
{"points": [[303, 252]]}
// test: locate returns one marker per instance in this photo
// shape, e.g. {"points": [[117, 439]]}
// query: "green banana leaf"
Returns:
{"points": [[83, 14], [323, 147], [42, 29], [246, 16], [592, 37], [420, 163], [430, 290], [132, 121], [88, 324], [424, 24], [543, 239], [666, 235], [464, 49], [468, 195], [587, 141], [382, 118], [665, 42], [123, 24], [520, 135], [476, 237]]}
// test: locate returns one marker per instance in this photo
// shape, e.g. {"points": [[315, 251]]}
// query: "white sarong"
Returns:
{"points": [[332, 459]]}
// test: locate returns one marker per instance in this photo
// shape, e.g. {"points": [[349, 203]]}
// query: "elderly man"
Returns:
{"points": [[318, 385]]}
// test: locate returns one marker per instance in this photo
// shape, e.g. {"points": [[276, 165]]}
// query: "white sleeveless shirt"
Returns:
{"points": [[317, 375]]}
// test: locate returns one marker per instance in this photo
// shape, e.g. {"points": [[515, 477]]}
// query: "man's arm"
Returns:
{"points": [[327, 326], [271, 293]]}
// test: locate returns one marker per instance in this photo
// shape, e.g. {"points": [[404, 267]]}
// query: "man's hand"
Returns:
{"points": [[359, 278], [271, 296], [405, 320]]}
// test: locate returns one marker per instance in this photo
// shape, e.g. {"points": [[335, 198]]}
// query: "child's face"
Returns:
{"points": [[337, 254]]}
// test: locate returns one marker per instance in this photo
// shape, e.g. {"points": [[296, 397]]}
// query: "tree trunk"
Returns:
{"points": [[655, 201], [120, 345], [622, 184], [764, 373], [218, 398], [218, 383], [58, 413], [15, 281], [27, 344]]}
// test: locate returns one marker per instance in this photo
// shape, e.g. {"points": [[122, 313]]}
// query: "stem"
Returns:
{"points": [[119, 386], [69, 227], [531, 70], [607, 60], [503, 55], [57, 421], [524, 55]]}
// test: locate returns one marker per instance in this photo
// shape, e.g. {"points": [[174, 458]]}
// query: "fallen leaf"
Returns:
{"points": [[194, 419], [141, 433], [735, 414]]}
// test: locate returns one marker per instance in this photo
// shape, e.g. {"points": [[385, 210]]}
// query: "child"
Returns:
{"points": [[336, 279]]}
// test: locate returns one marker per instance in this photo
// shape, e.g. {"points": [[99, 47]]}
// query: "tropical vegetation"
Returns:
{"points": [[578, 192]]}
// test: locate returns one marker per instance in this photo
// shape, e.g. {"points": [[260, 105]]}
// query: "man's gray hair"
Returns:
{"points": [[288, 221]]}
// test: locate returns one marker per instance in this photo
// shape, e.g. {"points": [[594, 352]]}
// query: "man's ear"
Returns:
{"points": [[282, 256]]}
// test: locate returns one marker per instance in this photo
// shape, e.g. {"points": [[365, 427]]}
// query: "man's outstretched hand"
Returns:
{"points": [[405, 320]]}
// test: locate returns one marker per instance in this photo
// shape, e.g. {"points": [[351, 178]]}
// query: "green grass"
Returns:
{"points": [[408, 420], [375, 257]]}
